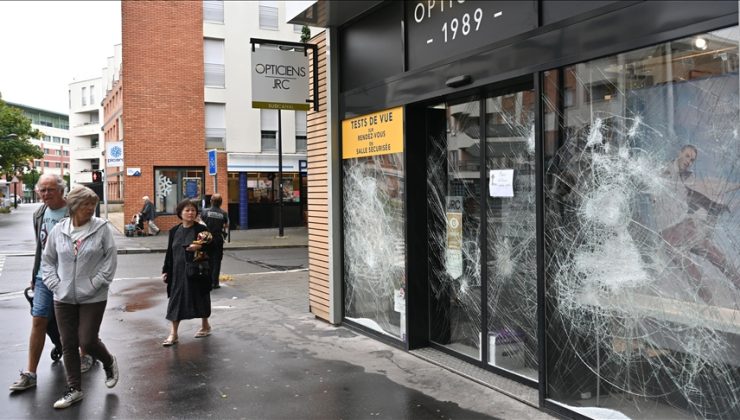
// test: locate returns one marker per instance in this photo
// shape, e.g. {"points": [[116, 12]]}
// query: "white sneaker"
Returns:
{"points": [[86, 363], [70, 397], [111, 374]]}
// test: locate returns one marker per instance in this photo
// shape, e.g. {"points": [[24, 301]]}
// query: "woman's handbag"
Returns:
{"points": [[198, 272]]}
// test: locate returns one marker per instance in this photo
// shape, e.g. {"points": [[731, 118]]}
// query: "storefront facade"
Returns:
{"points": [[547, 190], [253, 190]]}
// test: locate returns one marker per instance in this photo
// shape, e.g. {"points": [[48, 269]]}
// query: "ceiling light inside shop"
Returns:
{"points": [[700, 43]]}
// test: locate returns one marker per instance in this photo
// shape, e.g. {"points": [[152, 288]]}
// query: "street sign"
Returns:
{"points": [[114, 154], [212, 170]]}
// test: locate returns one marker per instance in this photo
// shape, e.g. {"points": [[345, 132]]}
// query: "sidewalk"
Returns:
{"points": [[240, 239], [268, 358]]}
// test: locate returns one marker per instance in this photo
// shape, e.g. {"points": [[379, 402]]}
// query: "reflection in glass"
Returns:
{"points": [[512, 274], [453, 191], [642, 238], [374, 245]]}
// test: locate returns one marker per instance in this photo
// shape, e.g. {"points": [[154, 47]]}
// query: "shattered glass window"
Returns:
{"points": [[642, 231], [374, 244], [511, 228], [454, 198], [453, 209]]}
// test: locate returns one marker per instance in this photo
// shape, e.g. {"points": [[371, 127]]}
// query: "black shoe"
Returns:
{"points": [[216, 286]]}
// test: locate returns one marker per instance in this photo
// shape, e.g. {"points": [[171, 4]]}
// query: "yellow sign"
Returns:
{"points": [[380, 133]]}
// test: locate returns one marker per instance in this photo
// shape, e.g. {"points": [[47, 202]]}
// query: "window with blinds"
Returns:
{"points": [[213, 11], [269, 15], [215, 125], [268, 129], [213, 62], [300, 132]]}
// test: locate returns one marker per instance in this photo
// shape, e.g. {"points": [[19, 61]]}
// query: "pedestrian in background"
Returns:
{"points": [[188, 242], [78, 266], [217, 222], [147, 215]]}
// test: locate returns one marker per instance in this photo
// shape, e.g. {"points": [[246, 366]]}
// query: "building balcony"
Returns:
{"points": [[86, 129], [87, 153]]}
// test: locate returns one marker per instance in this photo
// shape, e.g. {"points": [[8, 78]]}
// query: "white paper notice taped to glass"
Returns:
{"points": [[501, 183]]}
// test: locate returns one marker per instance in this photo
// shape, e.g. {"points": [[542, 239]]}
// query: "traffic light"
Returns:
{"points": [[97, 176]]}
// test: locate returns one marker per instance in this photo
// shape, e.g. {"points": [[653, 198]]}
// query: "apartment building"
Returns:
{"points": [[113, 121], [187, 90], [85, 97], [55, 143]]}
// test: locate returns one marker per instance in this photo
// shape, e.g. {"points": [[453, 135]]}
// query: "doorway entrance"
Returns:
{"points": [[481, 217]]}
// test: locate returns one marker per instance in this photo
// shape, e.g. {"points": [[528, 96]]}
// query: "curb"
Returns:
{"points": [[132, 251], [230, 248]]}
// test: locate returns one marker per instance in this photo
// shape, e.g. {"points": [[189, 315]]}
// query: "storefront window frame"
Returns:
{"points": [[570, 51], [561, 106], [181, 173]]}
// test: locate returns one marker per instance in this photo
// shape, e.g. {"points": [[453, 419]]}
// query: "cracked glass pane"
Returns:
{"points": [[512, 252], [374, 245], [641, 231], [453, 206]]}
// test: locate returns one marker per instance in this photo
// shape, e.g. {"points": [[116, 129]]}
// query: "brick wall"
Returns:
{"points": [[163, 103]]}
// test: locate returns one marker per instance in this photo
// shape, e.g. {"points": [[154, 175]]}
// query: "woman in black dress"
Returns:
{"points": [[187, 299]]}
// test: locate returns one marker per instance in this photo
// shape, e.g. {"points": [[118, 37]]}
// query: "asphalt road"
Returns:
{"points": [[15, 271]]}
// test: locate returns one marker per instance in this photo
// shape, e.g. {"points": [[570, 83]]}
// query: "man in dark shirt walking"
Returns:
{"points": [[217, 221]]}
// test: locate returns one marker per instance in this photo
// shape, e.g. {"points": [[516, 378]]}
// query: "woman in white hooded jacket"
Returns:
{"points": [[78, 265]]}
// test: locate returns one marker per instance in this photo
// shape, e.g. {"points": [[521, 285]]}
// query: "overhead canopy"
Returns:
{"points": [[326, 13]]}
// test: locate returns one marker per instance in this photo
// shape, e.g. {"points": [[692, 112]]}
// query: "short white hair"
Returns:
{"points": [[146, 197]]}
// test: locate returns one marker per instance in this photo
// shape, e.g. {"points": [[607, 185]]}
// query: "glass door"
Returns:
{"points": [[511, 264], [482, 273], [453, 203]]}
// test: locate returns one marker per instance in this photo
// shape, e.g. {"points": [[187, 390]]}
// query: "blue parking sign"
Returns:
{"points": [[212, 162]]}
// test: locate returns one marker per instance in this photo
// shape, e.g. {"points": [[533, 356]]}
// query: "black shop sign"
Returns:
{"points": [[438, 29]]}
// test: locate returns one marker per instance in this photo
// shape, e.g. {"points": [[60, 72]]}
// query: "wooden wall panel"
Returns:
{"points": [[318, 197]]}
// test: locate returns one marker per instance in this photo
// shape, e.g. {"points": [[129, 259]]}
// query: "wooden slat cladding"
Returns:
{"points": [[318, 187]]}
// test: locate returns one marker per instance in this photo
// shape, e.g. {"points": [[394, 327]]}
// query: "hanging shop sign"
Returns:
{"points": [[279, 79], [380, 133], [114, 154], [441, 29]]}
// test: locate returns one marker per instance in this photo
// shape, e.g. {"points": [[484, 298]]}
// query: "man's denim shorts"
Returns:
{"points": [[43, 300]]}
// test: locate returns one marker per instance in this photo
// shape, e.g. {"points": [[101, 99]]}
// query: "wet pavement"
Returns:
{"points": [[267, 359]]}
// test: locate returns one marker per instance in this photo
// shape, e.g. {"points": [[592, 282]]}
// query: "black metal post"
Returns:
{"points": [[280, 173], [15, 186]]}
